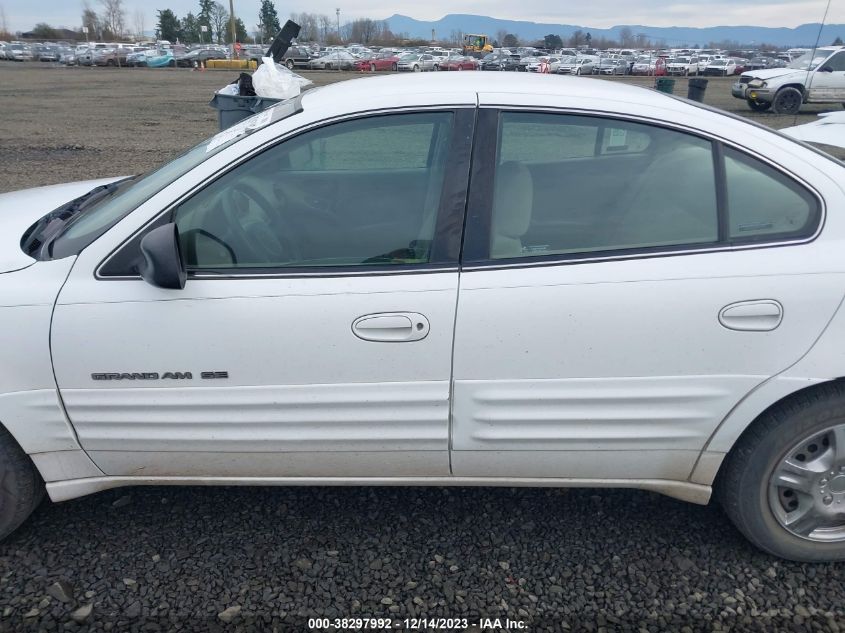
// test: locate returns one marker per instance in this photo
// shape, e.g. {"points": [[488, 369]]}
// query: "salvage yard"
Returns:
{"points": [[61, 124], [202, 558]]}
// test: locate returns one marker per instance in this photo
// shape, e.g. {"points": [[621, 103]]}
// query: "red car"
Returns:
{"points": [[381, 62], [459, 62]]}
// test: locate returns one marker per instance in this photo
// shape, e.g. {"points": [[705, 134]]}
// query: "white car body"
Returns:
{"points": [[828, 129], [818, 85], [724, 67], [613, 369], [682, 66]]}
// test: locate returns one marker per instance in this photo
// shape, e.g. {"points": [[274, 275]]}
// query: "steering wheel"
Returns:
{"points": [[304, 203], [269, 242]]}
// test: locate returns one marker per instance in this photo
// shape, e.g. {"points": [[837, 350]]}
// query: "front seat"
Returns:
{"points": [[513, 203]]}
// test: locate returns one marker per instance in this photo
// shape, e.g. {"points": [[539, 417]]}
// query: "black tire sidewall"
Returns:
{"points": [[751, 511], [22, 488], [781, 95]]}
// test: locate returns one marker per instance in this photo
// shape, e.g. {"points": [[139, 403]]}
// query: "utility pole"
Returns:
{"points": [[337, 11], [232, 24]]}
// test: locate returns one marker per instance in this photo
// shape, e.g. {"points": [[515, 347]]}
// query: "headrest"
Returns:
{"points": [[513, 200]]}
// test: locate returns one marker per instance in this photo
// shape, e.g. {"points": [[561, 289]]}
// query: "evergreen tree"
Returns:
{"points": [[240, 31], [168, 26], [204, 17], [190, 29], [268, 20]]}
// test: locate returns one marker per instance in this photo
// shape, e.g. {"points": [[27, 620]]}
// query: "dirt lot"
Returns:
{"points": [[62, 124]]}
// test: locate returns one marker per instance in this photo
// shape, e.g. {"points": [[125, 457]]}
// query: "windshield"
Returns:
{"points": [[718, 62], [809, 61], [85, 222]]}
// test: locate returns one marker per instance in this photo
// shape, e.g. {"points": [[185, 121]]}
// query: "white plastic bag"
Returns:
{"points": [[274, 81], [230, 90]]}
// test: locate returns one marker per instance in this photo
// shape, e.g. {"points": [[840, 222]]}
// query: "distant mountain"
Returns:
{"points": [[804, 35]]}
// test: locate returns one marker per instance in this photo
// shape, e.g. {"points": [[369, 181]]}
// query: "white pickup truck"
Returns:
{"points": [[816, 77]]}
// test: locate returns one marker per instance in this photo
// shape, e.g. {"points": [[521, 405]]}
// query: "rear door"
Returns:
{"points": [[607, 323]]}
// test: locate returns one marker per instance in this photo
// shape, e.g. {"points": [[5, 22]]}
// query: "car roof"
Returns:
{"points": [[518, 84]]}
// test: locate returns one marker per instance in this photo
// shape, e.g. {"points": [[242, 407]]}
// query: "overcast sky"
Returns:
{"points": [[24, 14]]}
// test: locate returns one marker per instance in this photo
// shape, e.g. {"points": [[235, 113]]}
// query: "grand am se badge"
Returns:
{"points": [[152, 375]]}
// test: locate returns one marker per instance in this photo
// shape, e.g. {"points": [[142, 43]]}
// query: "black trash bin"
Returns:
{"points": [[664, 84], [232, 109], [696, 89]]}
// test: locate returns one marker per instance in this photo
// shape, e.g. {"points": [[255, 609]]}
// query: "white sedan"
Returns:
{"points": [[631, 291]]}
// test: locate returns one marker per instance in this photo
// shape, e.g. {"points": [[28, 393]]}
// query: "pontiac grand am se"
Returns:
{"points": [[442, 280]]}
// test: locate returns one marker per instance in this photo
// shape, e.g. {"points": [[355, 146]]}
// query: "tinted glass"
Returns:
{"points": [[570, 184], [765, 204], [355, 193]]}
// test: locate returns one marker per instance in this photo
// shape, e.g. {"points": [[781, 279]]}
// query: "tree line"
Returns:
{"points": [[108, 20]]}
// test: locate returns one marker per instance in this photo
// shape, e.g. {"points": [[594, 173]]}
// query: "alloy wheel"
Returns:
{"points": [[807, 487]]}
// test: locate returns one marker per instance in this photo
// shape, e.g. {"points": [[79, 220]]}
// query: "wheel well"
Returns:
{"points": [[798, 87], [837, 384]]}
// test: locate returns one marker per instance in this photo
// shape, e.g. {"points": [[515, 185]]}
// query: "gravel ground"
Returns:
{"points": [[61, 124], [166, 559]]}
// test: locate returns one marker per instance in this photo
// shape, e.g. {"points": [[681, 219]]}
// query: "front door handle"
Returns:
{"points": [[752, 316], [391, 327]]}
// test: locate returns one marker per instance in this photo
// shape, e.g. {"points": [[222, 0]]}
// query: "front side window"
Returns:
{"points": [[836, 63], [362, 192]]}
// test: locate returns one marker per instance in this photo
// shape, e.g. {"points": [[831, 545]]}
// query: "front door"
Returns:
{"points": [[314, 334], [828, 80]]}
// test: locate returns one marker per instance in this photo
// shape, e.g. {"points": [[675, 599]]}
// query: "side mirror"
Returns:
{"points": [[163, 265], [826, 69]]}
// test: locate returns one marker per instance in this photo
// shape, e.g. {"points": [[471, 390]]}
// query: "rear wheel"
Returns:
{"points": [[21, 488], [758, 106], [783, 484], [788, 101]]}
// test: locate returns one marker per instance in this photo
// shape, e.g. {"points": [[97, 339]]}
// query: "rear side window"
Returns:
{"points": [[763, 203], [575, 185]]}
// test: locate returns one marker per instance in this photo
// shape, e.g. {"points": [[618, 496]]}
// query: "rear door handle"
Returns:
{"points": [[391, 327], [763, 315]]}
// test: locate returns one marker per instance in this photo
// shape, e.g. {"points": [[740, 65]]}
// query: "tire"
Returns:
{"points": [[806, 428], [461, 68], [416, 68], [372, 68], [110, 62], [788, 100], [21, 488], [172, 63], [577, 71], [758, 107], [289, 64], [394, 67]]}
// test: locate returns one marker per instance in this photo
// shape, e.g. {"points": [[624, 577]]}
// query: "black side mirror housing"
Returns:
{"points": [[826, 69], [163, 265]]}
